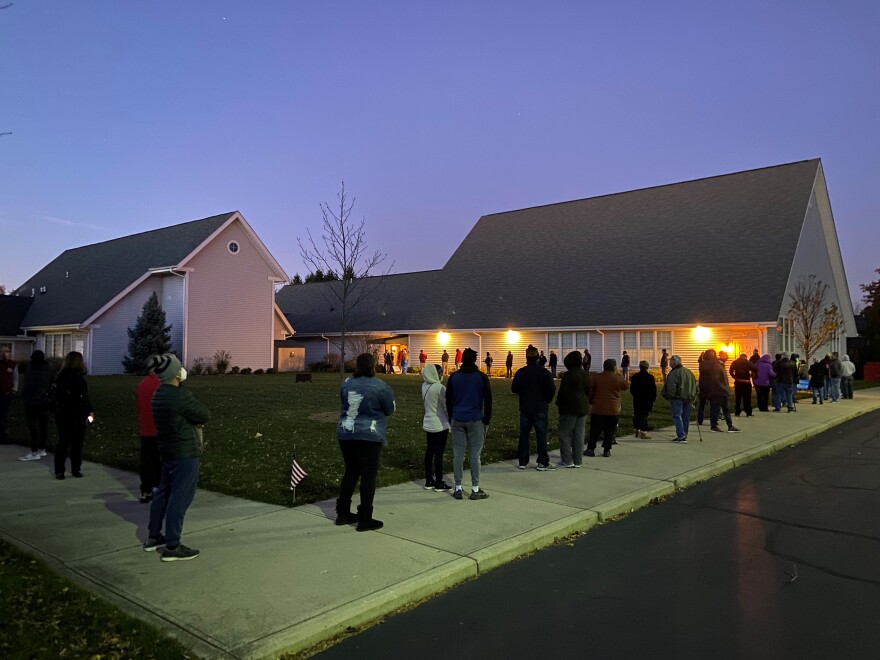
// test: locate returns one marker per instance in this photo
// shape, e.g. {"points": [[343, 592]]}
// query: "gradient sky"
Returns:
{"points": [[128, 116]]}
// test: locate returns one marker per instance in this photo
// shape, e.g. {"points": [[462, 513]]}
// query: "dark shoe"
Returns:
{"points": [[78, 474], [60, 476], [344, 518], [440, 486], [733, 429], [154, 543], [429, 484], [606, 453], [180, 553], [614, 442], [716, 429], [458, 494], [146, 498], [682, 440], [590, 453], [520, 466], [366, 522], [478, 495], [543, 468]]}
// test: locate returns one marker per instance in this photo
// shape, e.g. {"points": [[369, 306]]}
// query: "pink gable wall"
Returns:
{"points": [[230, 302]]}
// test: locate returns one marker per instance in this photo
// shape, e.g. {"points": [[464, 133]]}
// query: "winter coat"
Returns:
{"points": [[509, 361], [366, 403], [605, 389], [713, 380], [817, 375], [143, 395], [836, 368], [573, 397], [434, 399], [742, 370], [553, 360], [848, 367], [643, 387], [34, 381], [786, 372], [176, 413], [535, 387], [72, 395], [765, 371], [680, 384], [469, 395]]}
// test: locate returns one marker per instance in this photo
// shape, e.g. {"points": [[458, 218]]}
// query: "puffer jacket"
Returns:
{"points": [[434, 399], [605, 389], [176, 413], [765, 371], [680, 384], [574, 388]]}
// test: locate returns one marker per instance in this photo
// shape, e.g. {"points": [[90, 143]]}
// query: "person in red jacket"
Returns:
{"points": [[151, 466]]}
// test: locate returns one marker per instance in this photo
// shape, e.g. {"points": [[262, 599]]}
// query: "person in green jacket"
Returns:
{"points": [[680, 389], [176, 413]]}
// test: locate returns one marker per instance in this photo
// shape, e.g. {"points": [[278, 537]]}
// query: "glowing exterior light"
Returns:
{"points": [[701, 333], [728, 349], [443, 338], [512, 337]]}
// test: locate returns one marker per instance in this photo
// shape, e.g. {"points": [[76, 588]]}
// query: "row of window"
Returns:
{"points": [[639, 344], [58, 345]]}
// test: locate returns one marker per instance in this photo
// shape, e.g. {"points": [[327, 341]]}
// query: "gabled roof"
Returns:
{"points": [[82, 280], [716, 250], [12, 311]]}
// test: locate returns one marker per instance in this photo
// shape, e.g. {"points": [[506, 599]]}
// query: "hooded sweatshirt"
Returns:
{"points": [[848, 367], [434, 398], [574, 390], [468, 393], [765, 371], [535, 387]]}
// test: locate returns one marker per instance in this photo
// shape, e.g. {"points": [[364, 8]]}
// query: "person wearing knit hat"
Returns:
{"points": [[176, 413], [535, 387], [643, 388], [469, 407], [680, 389]]}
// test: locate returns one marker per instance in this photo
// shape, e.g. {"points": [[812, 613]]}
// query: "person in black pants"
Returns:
{"points": [[74, 412], [35, 380], [743, 371]]}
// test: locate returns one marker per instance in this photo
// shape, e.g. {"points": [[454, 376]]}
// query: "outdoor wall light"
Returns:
{"points": [[443, 338], [512, 337], [701, 333]]}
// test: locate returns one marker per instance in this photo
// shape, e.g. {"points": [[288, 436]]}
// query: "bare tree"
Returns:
{"points": [[2, 289], [813, 322], [342, 248]]}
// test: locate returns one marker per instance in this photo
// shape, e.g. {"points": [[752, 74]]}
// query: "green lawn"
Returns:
{"points": [[43, 615], [258, 419]]}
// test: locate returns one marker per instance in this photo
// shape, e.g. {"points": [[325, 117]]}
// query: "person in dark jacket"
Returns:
{"points": [[588, 360], [8, 387], [508, 364], [488, 362], [74, 412], [624, 365], [742, 372], [713, 385], [835, 372], [535, 388], [542, 359], [755, 357], [664, 364], [362, 433], [817, 380], [786, 379], [554, 361], [643, 387], [469, 407], [177, 414], [573, 401], [34, 381]]}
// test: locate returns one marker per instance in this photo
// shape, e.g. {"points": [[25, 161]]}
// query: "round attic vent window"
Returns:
{"points": [[232, 246]]}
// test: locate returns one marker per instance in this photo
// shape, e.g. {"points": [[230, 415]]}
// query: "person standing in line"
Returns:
{"points": [[35, 380], [150, 463], [588, 360], [542, 359], [643, 388], [664, 364], [742, 372], [508, 364], [423, 359], [176, 413], [835, 371], [488, 362], [535, 388], [404, 361], [469, 406], [817, 381], [389, 362], [846, 379], [713, 378], [362, 432], [786, 379], [573, 401], [553, 362], [827, 363], [73, 415], [774, 383], [755, 357], [680, 389], [605, 389], [8, 388], [764, 375], [624, 365], [702, 389], [444, 360], [436, 427], [458, 355]]}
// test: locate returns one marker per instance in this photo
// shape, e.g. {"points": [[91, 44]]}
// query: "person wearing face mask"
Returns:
{"points": [[176, 413]]}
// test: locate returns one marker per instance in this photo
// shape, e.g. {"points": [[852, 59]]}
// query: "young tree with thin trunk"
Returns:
{"points": [[342, 248], [813, 323]]}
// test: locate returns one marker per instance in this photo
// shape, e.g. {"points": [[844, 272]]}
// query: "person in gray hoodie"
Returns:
{"points": [[846, 378], [573, 401], [435, 425]]}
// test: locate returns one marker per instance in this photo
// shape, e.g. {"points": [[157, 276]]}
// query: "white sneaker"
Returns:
{"points": [[31, 456], [42, 453]]}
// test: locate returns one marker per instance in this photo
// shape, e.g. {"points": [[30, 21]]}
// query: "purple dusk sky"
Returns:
{"points": [[129, 116]]}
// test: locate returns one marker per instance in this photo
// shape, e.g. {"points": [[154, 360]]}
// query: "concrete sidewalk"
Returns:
{"points": [[272, 579]]}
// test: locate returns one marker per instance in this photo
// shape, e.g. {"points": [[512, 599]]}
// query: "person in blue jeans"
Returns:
{"points": [[177, 414], [536, 389], [680, 389], [469, 406]]}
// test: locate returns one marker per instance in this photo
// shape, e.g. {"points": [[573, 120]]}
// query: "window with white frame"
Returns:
{"points": [[647, 345], [57, 345], [582, 340], [631, 346], [553, 340]]}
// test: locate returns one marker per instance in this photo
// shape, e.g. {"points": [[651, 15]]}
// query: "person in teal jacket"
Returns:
{"points": [[362, 432]]}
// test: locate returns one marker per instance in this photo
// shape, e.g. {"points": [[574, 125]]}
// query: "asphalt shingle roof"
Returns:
{"points": [[716, 250], [12, 311], [82, 280]]}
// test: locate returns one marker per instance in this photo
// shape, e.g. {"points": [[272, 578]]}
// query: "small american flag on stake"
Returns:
{"points": [[297, 474]]}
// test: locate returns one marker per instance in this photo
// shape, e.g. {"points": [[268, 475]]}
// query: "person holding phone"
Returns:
{"points": [[73, 413]]}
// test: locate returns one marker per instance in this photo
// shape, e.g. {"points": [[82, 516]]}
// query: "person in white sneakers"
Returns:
{"points": [[34, 382], [435, 425]]}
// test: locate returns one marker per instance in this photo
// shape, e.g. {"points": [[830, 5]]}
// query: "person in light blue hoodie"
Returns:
{"points": [[361, 431]]}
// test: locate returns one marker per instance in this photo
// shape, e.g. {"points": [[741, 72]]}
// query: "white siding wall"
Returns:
{"points": [[110, 340], [230, 302], [279, 330], [171, 299]]}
